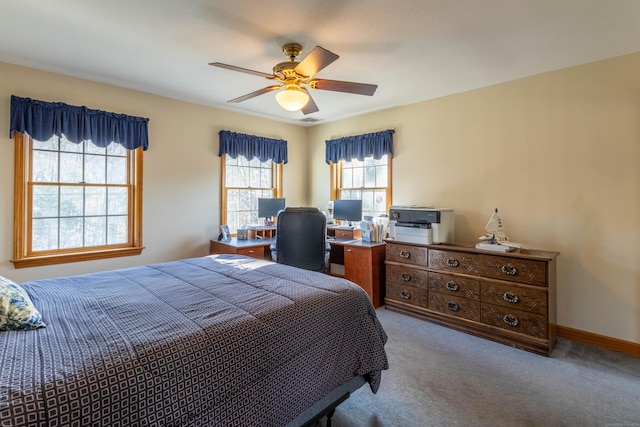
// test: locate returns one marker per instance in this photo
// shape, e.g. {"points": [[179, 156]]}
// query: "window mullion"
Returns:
{"points": [[58, 220], [106, 201]]}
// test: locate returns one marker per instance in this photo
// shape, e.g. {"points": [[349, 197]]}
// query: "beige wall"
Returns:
{"points": [[558, 154], [181, 168]]}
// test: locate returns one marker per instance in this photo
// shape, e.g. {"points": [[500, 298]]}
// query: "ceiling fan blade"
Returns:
{"points": [[242, 70], [255, 93], [340, 86], [310, 106], [315, 61]]}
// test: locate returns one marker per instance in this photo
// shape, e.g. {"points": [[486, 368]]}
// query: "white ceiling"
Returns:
{"points": [[413, 50]]}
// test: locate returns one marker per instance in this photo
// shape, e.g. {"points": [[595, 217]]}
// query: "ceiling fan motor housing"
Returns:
{"points": [[292, 50], [286, 69]]}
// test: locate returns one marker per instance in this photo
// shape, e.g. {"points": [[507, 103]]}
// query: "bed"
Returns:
{"points": [[218, 340]]}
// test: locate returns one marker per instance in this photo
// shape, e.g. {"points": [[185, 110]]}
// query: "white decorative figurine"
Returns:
{"points": [[496, 239]]}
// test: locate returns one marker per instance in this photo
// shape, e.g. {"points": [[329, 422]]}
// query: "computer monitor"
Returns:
{"points": [[269, 207], [347, 210]]}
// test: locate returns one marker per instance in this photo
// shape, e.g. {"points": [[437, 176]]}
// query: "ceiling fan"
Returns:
{"points": [[295, 77]]}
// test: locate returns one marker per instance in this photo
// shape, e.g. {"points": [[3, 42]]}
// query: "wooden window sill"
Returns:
{"points": [[40, 260]]}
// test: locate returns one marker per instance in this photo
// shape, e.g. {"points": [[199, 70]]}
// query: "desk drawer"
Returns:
{"points": [[255, 252], [346, 234]]}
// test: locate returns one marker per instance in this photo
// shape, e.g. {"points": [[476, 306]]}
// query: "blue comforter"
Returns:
{"points": [[220, 340]]}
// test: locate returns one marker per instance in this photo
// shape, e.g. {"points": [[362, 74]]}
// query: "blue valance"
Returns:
{"points": [[41, 120], [250, 146], [374, 145]]}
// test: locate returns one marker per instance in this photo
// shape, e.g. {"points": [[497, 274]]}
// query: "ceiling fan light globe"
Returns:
{"points": [[292, 99]]}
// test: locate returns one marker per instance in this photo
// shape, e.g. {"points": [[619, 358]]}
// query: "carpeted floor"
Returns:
{"points": [[441, 377]]}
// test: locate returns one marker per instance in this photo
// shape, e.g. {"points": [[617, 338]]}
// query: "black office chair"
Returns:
{"points": [[301, 239]]}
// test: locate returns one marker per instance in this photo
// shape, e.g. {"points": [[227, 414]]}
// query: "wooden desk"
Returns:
{"points": [[257, 248], [355, 260]]}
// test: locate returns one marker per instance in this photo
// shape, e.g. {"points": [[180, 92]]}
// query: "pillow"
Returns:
{"points": [[16, 309]]}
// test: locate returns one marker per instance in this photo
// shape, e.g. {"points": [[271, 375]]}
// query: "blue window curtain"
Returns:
{"points": [[238, 144], [41, 120], [375, 145]]}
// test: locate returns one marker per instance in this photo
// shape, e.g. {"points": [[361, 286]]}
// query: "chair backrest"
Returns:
{"points": [[301, 234]]}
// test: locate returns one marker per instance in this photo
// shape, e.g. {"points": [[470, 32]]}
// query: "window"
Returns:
{"points": [[369, 180], [243, 183], [75, 202]]}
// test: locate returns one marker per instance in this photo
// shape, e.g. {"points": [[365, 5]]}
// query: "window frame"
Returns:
{"points": [[22, 254], [336, 178], [277, 180]]}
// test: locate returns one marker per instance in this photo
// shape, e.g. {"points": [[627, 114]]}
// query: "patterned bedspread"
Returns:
{"points": [[221, 340]]}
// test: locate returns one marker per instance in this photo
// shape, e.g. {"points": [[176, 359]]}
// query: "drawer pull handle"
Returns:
{"points": [[510, 320], [510, 297], [452, 262], [405, 294], [509, 270], [452, 306], [451, 286], [406, 277], [405, 254]]}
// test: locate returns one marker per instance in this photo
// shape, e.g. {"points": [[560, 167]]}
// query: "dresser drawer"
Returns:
{"points": [[405, 275], [407, 254], [514, 269], [454, 262], [523, 298], [531, 324], [454, 285], [407, 294], [455, 306]]}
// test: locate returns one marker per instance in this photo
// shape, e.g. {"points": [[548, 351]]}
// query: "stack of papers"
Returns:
{"points": [[372, 230]]}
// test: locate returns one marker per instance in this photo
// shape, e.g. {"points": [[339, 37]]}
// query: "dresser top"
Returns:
{"points": [[470, 247]]}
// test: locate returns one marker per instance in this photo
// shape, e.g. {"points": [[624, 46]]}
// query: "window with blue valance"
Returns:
{"points": [[41, 120], [375, 145], [238, 144]]}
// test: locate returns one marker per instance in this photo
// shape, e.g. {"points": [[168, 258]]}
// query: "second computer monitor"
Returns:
{"points": [[347, 210]]}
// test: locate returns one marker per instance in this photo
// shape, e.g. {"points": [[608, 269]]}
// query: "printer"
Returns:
{"points": [[419, 224]]}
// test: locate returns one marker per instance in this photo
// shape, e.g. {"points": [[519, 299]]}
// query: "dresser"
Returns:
{"points": [[506, 297]]}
